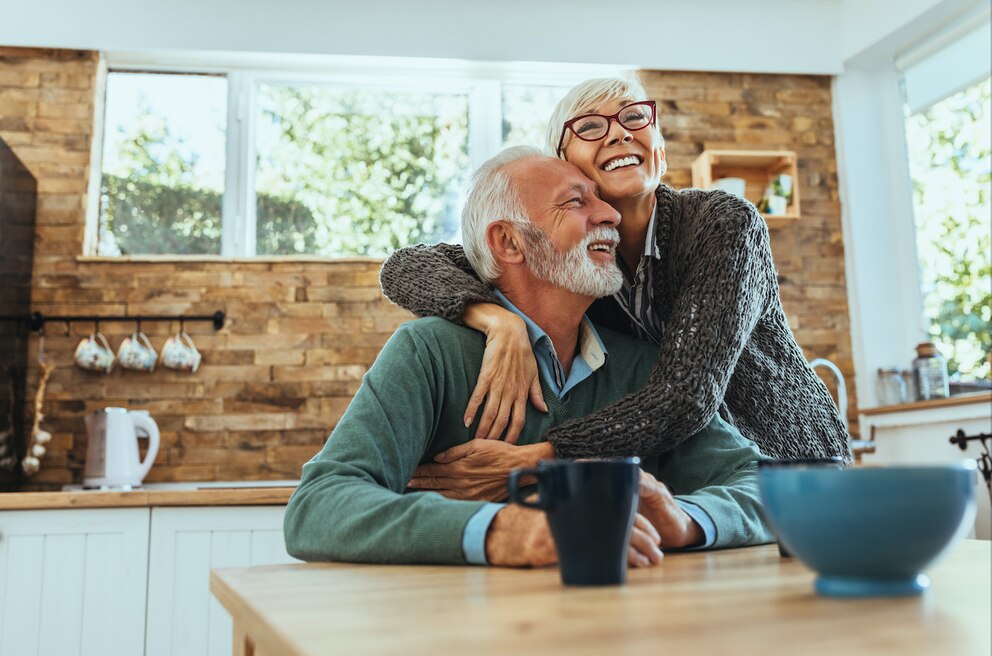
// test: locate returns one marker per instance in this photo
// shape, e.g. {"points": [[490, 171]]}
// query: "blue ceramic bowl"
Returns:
{"points": [[868, 531]]}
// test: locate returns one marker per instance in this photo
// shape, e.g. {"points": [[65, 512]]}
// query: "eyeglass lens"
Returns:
{"points": [[594, 126]]}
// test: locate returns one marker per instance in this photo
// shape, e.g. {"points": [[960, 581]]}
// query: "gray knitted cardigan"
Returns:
{"points": [[726, 346]]}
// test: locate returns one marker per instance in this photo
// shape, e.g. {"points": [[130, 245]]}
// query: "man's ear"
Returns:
{"points": [[505, 242]]}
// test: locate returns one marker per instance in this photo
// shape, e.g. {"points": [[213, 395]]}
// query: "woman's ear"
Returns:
{"points": [[505, 242]]}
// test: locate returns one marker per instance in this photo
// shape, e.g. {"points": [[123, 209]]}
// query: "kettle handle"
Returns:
{"points": [[144, 422]]}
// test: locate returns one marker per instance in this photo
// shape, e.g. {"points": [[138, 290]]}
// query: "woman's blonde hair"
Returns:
{"points": [[583, 98]]}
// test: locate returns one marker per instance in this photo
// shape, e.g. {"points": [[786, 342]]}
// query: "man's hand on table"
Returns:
{"points": [[521, 537], [477, 470], [676, 528]]}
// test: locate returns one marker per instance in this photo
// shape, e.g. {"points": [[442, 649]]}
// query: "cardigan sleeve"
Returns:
{"points": [[433, 280], [726, 278]]}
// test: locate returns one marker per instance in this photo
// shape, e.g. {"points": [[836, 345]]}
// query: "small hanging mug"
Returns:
{"points": [[94, 353], [136, 353], [179, 353]]}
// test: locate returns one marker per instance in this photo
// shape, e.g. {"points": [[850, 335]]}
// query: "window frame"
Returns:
{"points": [[245, 72]]}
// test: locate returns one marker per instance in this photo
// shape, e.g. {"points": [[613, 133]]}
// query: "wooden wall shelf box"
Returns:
{"points": [[757, 168]]}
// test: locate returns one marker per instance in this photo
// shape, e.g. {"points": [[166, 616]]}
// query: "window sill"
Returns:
{"points": [[263, 259]]}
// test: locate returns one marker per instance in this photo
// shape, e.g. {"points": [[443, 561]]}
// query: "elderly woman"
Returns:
{"points": [[699, 281]]}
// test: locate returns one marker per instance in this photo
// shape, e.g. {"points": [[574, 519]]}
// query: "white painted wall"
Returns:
{"points": [[877, 215], [865, 23], [876, 190], [707, 35]]}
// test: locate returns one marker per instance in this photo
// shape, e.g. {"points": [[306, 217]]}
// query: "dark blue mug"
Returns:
{"points": [[591, 506]]}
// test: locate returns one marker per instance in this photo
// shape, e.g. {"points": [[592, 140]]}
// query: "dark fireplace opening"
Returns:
{"points": [[18, 205]]}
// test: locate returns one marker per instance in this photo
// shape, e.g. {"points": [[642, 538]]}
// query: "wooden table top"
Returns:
{"points": [[721, 602]]}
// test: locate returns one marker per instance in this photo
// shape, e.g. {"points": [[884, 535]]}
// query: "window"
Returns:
{"points": [[949, 155], [163, 164], [526, 110], [357, 171], [241, 162]]}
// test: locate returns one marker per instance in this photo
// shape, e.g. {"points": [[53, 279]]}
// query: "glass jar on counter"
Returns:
{"points": [[930, 373], [891, 387]]}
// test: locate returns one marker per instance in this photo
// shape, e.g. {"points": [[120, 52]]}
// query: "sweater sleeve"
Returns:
{"points": [[350, 504], [717, 471], [727, 276], [433, 281]]}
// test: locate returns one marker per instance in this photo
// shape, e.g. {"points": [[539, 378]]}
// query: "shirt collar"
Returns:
{"points": [[650, 243], [591, 347]]}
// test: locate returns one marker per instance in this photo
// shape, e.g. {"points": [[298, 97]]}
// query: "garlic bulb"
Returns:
{"points": [[37, 450], [42, 437]]}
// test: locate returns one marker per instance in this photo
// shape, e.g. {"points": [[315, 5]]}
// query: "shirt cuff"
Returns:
{"points": [[704, 521], [474, 537]]}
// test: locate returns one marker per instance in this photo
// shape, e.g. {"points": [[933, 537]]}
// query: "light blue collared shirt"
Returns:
{"points": [[592, 355]]}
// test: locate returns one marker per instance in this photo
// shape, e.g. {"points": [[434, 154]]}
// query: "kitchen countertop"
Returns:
{"points": [[234, 493], [953, 401]]}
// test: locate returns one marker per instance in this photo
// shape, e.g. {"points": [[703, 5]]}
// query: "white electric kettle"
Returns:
{"points": [[112, 452]]}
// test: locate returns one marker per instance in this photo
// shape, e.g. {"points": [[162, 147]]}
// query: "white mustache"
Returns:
{"points": [[601, 234]]}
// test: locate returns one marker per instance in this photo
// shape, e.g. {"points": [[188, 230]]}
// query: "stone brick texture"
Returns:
{"points": [[301, 332]]}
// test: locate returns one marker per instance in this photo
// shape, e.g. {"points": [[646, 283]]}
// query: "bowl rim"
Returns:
{"points": [[965, 464]]}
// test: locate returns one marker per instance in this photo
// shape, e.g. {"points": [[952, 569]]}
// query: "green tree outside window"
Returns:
{"points": [[949, 154]]}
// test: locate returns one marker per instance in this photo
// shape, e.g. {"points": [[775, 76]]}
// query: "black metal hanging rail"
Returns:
{"points": [[36, 320]]}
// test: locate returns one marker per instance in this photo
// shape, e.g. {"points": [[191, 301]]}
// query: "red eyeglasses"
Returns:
{"points": [[593, 127]]}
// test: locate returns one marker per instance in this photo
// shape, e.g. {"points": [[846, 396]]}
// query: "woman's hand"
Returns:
{"points": [[477, 470], [509, 374]]}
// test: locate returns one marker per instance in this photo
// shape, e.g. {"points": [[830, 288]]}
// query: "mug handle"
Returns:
{"points": [[515, 494], [143, 339], [187, 340], [98, 337]]}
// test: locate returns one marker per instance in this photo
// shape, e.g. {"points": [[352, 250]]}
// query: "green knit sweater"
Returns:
{"points": [[351, 503]]}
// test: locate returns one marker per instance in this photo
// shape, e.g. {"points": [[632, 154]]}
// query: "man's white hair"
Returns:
{"points": [[584, 98], [491, 197]]}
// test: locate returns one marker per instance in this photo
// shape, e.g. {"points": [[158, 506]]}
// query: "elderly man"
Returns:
{"points": [[535, 227]]}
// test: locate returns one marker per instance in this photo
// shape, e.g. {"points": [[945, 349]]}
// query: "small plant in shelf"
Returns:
{"points": [[778, 195]]}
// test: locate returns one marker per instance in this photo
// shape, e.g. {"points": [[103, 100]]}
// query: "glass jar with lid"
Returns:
{"points": [[891, 387], [930, 373]]}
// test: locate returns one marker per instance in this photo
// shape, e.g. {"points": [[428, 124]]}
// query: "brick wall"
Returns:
{"points": [[300, 334]]}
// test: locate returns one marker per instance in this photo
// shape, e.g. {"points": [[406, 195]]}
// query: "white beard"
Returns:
{"points": [[573, 269]]}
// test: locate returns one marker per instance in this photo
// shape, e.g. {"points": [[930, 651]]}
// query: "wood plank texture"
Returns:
{"points": [[257, 496], [741, 601], [962, 399]]}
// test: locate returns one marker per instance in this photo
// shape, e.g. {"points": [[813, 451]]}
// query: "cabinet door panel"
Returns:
{"points": [[73, 582], [22, 561], [62, 585], [186, 543], [105, 553], [229, 549]]}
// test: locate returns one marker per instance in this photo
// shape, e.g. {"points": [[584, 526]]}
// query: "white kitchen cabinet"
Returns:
{"points": [[913, 435], [73, 581], [186, 543]]}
